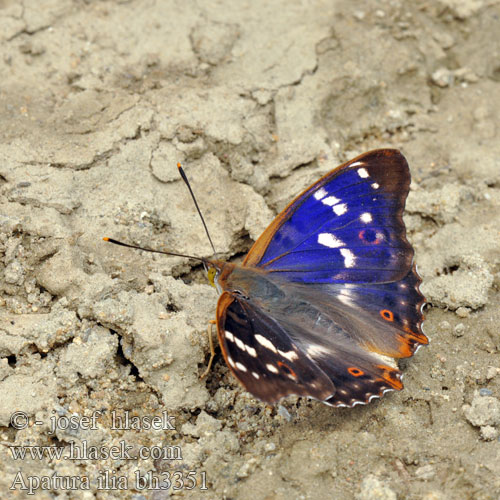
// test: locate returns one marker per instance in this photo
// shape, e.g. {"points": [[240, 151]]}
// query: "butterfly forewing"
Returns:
{"points": [[347, 227], [262, 355]]}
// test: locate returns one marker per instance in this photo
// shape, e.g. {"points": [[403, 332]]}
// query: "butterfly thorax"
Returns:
{"points": [[241, 281], [251, 283], [279, 298]]}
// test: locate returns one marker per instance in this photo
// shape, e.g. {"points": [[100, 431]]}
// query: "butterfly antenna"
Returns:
{"points": [[185, 179], [116, 242]]}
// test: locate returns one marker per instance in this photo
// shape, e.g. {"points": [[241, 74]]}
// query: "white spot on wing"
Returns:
{"points": [[330, 241], [241, 345], [265, 343], [330, 201], [366, 217], [241, 367], [349, 258], [356, 164], [320, 193], [316, 350], [290, 355], [255, 375], [375, 185], [230, 361], [340, 209], [363, 173], [251, 351], [271, 368]]}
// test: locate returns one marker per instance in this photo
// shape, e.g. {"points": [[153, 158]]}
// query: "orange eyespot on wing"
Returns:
{"points": [[371, 237], [387, 315], [355, 372]]}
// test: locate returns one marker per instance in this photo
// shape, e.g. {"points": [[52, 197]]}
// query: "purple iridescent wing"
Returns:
{"points": [[347, 227], [345, 293]]}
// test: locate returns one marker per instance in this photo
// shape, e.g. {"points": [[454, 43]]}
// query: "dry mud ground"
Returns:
{"points": [[100, 99]]}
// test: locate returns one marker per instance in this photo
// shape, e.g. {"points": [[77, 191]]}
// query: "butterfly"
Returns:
{"points": [[328, 296]]}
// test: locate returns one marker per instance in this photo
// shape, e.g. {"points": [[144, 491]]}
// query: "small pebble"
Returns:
{"points": [[442, 77], [425, 472], [444, 326], [463, 312], [374, 489], [444, 39], [466, 75], [485, 392], [492, 372], [489, 433], [283, 412], [269, 447]]}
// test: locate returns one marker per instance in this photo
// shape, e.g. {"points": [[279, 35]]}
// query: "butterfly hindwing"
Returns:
{"points": [[274, 354], [387, 317], [262, 355], [345, 228], [383, 318], [358, 376]]}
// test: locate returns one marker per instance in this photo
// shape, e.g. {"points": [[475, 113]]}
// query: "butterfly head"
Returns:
{"points": [[217, 273], [213, 270]]}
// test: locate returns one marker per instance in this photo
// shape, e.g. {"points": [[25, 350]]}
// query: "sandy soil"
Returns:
{"points": [[100, 99]]}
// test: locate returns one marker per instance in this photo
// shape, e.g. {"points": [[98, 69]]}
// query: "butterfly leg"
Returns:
{"points": [[212, 350]]}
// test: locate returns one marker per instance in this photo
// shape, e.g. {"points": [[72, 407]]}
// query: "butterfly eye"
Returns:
{"points": [[212, 272]]}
